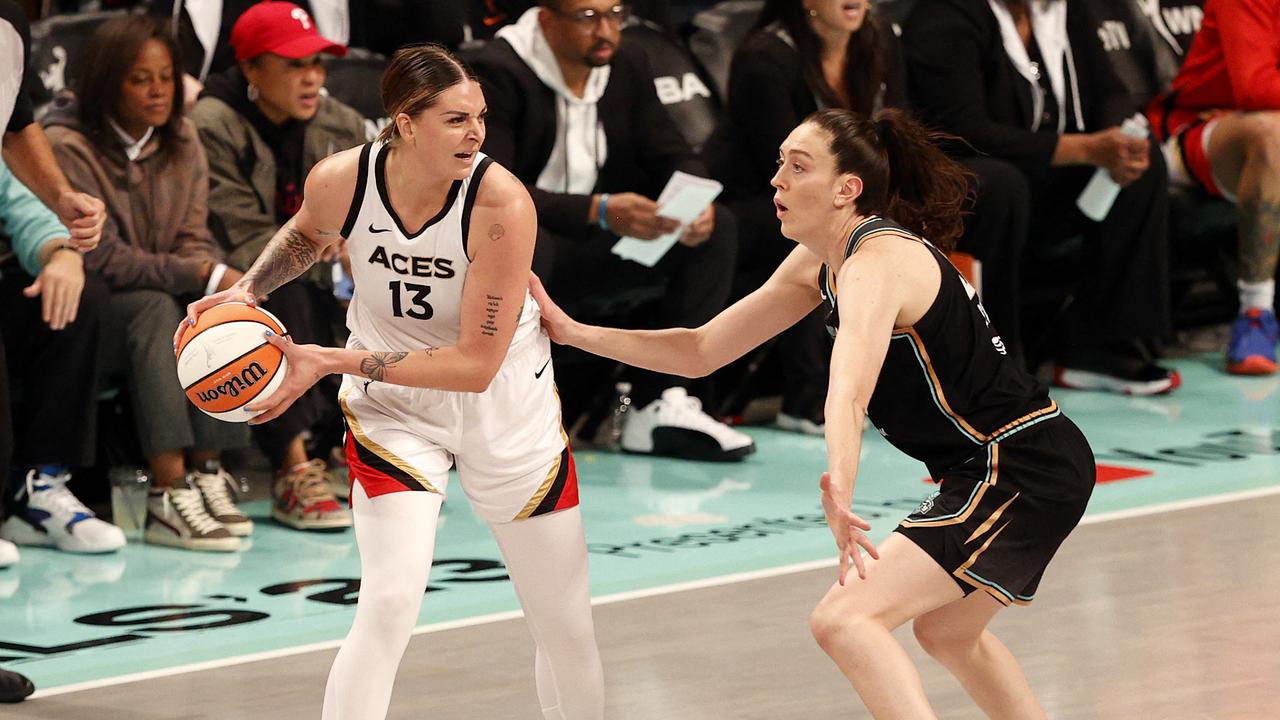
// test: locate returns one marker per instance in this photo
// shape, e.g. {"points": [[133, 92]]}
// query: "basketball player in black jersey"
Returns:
{"points": [[916, 353]]}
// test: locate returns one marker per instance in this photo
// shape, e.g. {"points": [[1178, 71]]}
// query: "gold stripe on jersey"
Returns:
{"points": [[543, 489], [935, 386], [975, 498], [1000, 594], [990, 521], [353, 425]]}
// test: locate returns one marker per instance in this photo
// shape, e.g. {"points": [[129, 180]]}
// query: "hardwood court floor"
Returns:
{"points": [[1170, 616]]}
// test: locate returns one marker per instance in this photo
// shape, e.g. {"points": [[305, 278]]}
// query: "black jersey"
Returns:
{"points": [[948, 387]]}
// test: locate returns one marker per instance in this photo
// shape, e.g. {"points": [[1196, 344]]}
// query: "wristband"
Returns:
{"points": [[215, 278], [601, 218]]}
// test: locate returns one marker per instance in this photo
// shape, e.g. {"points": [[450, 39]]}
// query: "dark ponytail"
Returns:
{"points": [[905, 175]]}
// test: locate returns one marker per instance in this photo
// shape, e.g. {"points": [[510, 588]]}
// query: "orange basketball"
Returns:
{"points": [[225, 362]]}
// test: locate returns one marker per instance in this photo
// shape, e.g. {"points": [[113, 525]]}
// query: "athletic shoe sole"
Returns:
{"points": [[230, 544], [800, 425], [336, 523], [1084, 380], [17, 530], [9, 555], [238, 529], [1252, 365]]}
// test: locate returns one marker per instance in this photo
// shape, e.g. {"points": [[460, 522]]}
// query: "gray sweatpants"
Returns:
{"points": [[137, 346]]}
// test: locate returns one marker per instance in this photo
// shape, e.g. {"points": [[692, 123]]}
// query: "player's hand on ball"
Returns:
{"points": [[305, 369], [235, 293], [554, 320], [847, 529]]}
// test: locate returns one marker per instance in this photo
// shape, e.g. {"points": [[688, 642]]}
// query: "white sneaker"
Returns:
{"points": [[45, 513], [799, 424], [8, 553], [216, 489], [177, 517], [674, 425]]}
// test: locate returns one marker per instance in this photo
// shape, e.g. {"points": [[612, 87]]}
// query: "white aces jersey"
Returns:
{"points": [[408, 284]]}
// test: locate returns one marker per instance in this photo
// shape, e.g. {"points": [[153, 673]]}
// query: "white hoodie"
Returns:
{"points": [[580, 148]]}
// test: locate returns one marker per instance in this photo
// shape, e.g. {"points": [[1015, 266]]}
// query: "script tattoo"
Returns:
{"points": [[1259, 239], [286, 257], [490, 327], [376, 365], [496, 232]]}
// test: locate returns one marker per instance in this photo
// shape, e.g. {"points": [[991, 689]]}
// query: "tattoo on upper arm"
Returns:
{"points": [[286, 257], [376, 365], [496, 231], [490, 326]]}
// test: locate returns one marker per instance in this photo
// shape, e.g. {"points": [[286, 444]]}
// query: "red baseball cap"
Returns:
{"points": [[281, 28]]}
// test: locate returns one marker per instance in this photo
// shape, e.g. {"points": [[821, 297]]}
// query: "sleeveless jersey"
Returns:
{"points": [[948, 387], [408, 284]]}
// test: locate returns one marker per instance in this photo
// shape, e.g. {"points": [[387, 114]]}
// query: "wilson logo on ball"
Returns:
{"points": [[225, 363]]}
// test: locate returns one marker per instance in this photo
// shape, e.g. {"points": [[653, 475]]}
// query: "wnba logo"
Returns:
{"points": [[233, 386]]}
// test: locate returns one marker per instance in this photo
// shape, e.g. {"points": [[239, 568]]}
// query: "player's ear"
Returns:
{"points": [[848, 189]]}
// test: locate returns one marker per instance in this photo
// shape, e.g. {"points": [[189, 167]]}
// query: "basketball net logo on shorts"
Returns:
{"points": [[234, 384]]}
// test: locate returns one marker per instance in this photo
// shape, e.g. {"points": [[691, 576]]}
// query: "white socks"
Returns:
{"points": [[1257, 295]]}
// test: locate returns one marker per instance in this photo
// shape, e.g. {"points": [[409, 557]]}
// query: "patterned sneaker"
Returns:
{"points": [[674, 425], [176, 517], [339, 474], [304, 501], [217, 489], [8, 553], [45, 513], [1253, 343]]}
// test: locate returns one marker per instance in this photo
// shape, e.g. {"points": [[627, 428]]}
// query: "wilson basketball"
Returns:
{"points": [[225, 362]]}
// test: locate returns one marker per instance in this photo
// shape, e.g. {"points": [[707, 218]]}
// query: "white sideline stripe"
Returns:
{"points": [[620, 597]]}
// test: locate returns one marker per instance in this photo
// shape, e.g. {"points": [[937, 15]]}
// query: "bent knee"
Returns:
{"points": [[1264, 138], [940, 640], [832, 621]]}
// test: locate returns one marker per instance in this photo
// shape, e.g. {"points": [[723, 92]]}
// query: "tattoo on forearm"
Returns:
{"points": [[1259, 238], [376, 365], [496, 232], [286, 257], [490, 327]]}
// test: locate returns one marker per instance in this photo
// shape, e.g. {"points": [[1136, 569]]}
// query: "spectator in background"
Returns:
{"points": [[203, 28], [31, 154], [264, 124], [123, 137], [1028, 84], [26, 149], [1220, 127], [486, 17], [575, 116], [50, 318], [801, 57]]}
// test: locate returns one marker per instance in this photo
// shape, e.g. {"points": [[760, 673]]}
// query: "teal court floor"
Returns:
{"points": [[653, 526]]}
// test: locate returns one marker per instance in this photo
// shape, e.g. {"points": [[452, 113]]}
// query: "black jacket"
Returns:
{"points": [[644, 144], [963, 82], [768, 98]]}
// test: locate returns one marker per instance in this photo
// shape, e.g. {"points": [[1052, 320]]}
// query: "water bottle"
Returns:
{"points": [[129, 499], [618, 418], [1099, 195]]}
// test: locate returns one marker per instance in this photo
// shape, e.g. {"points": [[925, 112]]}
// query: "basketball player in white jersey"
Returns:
{"points": [[446, 365]]}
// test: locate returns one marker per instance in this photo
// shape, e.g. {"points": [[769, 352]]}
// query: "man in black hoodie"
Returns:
{"points": [[575, 116]]}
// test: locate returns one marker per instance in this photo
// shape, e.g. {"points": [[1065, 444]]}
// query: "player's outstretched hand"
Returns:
{"points": [[235, 293], [304, 371], [847, 529], [554, 320]]}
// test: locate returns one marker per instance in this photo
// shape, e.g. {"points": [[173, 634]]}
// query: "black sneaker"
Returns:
{"points": [[14, 687], [1112, 370]]}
